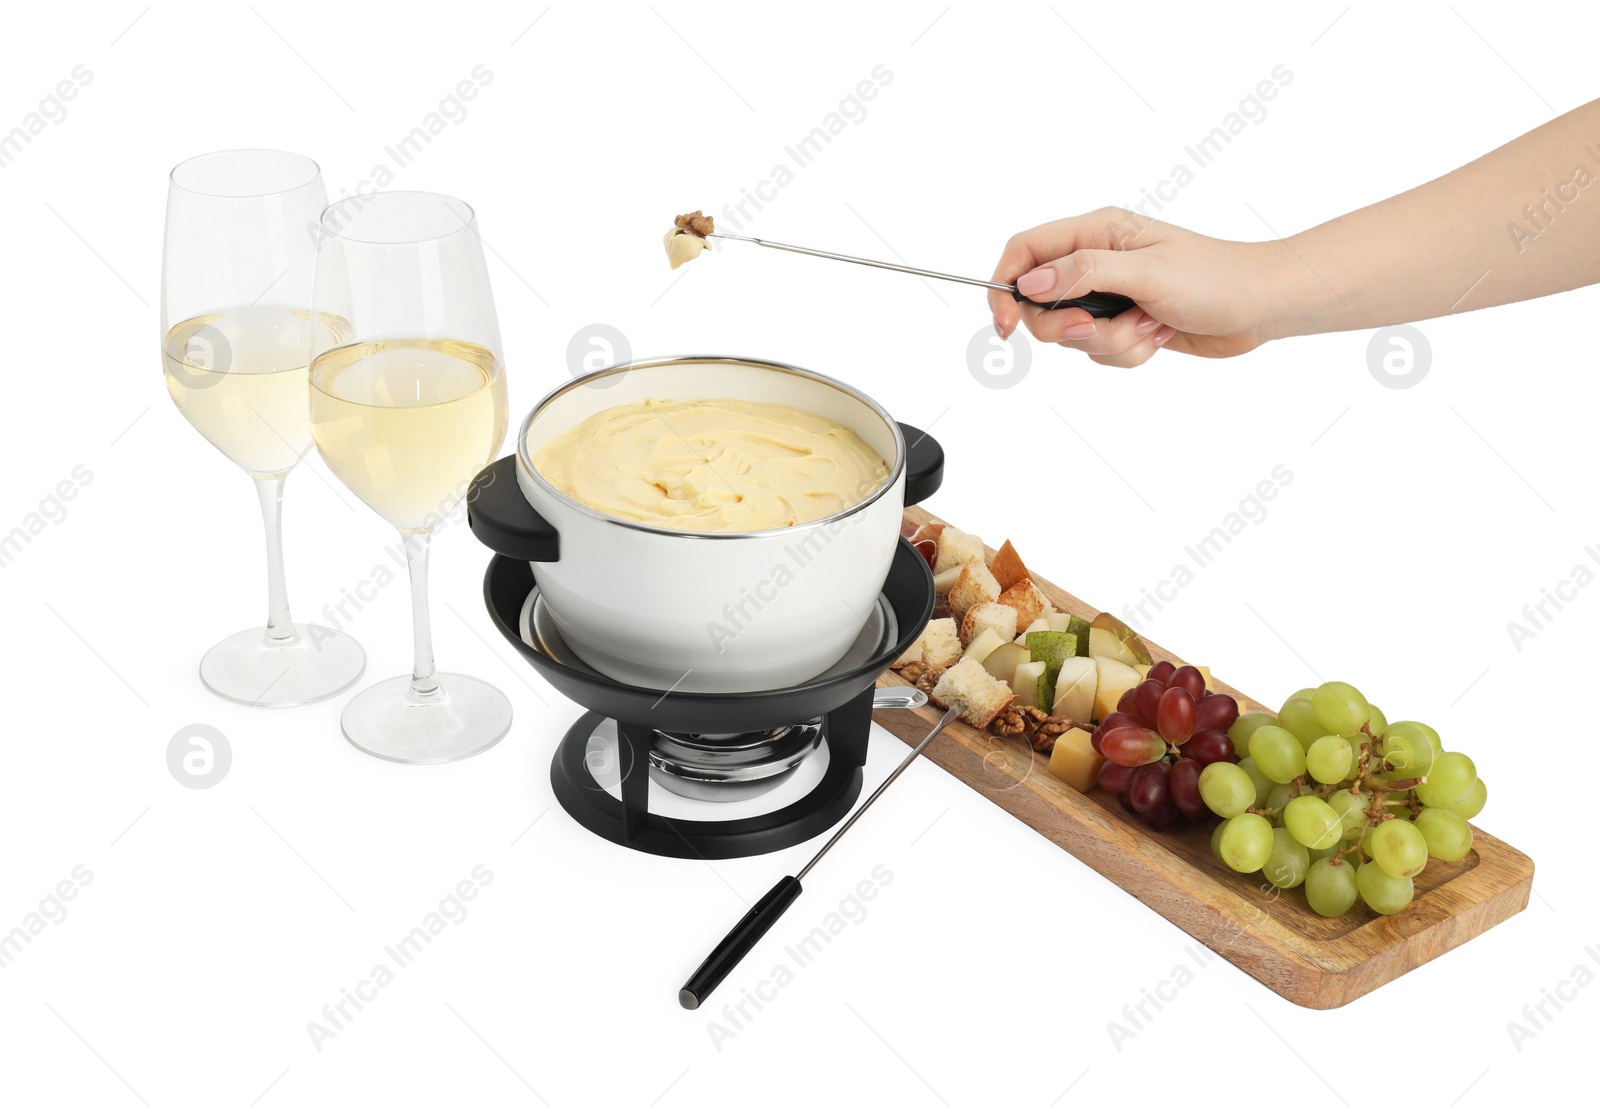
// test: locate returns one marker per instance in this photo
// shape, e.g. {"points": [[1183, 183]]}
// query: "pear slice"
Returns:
{"points": [[1075, 686], [1003, 661], [983, 644], [1027, 681], [1124, 634], [1113, 678], [1040, 624]]}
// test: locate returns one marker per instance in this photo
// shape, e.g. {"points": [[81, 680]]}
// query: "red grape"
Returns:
{"points": [[1115, 777], [1146, 697], [1209, 746], [1115, 720], [1162, 672], [1161, 818], [1148, 790], [1128, 703], [1175, 715], [1184, 785], [1216, 710], [1187, 677], [1133, 747]]}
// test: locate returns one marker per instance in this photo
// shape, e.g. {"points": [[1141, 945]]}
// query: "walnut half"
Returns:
{"points": [[1044, 736], [697, 223], [1009, 721]]}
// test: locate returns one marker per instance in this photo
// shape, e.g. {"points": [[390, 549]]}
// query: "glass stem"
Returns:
{"points": [[280, 628], [424, 681]]}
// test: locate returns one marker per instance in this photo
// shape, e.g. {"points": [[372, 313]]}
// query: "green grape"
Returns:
{"points": [[1278, 753], [1312, 821], [1328, 759], [1331, 887], [1450, 780], [1240, 730], [1351, 806], [1340, 707], [1287, 863], [1281, 795], [1408, 748], [1385, 893], [1262, 783], [1226, 790], [1399, 848], [1302, 694], [1376, 721], [1216, 840], [1471, 805], [1417, 727], [1246, 842], [1366, 840], [1296, 716], [1449, 837]]}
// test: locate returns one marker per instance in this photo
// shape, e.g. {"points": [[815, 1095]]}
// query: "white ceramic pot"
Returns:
{"points": [[714, 612]]}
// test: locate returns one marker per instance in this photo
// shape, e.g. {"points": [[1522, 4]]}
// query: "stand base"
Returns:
{"points": [[628, 822], [470, 717], [254, 670]]}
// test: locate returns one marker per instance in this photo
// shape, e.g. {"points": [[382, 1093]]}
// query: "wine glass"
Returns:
{"points": [[237, 329], [406, 409]]}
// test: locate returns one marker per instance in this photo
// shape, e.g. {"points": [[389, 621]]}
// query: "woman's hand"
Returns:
{"points": [[1197, 295]]}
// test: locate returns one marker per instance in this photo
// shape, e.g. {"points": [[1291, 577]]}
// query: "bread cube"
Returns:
{"points": [[978, 694]]}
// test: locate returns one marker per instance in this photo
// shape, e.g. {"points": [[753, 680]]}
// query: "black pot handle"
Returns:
{"points": [[504, 521], [924, 464]]}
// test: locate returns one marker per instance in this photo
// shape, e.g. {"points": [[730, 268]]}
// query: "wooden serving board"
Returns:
{"points": [[1273, 935]]}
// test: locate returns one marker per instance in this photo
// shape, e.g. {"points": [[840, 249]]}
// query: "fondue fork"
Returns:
{"points": [[765, 913], [1097, 303]]}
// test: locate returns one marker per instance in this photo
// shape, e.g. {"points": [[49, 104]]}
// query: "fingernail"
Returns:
{"points": [[1080, 332], [1037, 281], [1144, 324], [999, 330], [1163, 335]]}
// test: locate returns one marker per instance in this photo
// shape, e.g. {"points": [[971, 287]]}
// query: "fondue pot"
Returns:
{"points": [[674, 610]]}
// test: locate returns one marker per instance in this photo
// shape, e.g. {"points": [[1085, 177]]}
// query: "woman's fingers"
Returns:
{"points": [[1097, 336], [1142, 350], [1072, 276], [1028, 250]]}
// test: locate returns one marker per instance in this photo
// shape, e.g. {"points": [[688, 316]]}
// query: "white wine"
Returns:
{"points": [[407, 424], [240, 378]]}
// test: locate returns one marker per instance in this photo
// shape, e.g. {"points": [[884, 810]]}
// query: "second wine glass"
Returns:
{"points": [[405, 412]]}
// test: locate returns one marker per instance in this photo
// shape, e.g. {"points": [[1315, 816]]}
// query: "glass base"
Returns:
{"points": [[468, 717], [255, 670]]}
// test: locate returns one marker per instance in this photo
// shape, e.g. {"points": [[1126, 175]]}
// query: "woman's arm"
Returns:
{"points": [[1518, 223]]}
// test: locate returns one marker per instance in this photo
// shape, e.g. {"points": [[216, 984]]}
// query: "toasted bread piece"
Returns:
{"points": [[979, 695], [956, 548], [1029, 602], [1007, 567], [912, 653], [976, 585], [940, 644], [999, 618]]}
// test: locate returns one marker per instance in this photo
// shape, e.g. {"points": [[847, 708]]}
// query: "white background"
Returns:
{"points": [[1417, 524]]}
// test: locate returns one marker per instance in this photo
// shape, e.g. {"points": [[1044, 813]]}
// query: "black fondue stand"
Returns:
{"points": [[503, 520]]}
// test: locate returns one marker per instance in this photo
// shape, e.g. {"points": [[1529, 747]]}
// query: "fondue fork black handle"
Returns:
{"points": [[765, 913]]}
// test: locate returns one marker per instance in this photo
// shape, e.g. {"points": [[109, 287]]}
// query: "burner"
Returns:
{"points": [[719, 747], [736, 767]]}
